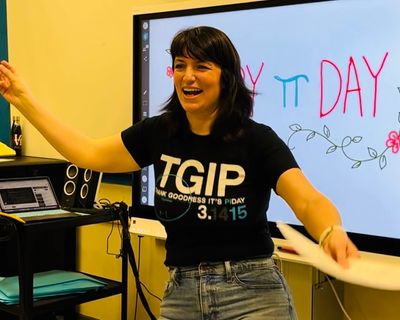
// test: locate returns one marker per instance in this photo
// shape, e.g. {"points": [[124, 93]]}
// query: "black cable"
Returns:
{"points": [[141, 283], [138, 266], [123, 209], [117, 255], [150, 293]]}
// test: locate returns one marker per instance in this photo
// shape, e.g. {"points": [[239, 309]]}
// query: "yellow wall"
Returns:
{"points": [[77, 57]]}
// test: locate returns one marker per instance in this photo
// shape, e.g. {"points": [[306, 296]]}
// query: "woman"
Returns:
{"points": [[214, 169]]}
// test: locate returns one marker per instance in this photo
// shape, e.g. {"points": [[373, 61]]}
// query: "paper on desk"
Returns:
{"points": [[49, 284], [362, 271], [6, 150]]}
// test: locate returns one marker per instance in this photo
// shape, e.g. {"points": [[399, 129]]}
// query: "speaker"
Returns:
{"points": [[80, 187], [70, 186], [89, 183]]}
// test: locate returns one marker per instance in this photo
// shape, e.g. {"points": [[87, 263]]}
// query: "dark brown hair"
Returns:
{"points": [[236, 100]]}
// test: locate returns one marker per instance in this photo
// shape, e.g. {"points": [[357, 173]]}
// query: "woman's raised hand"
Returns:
{"points": [[12, 87]]}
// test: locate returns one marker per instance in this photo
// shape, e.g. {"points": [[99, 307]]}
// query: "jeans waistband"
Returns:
{"points": [[222, 267]]}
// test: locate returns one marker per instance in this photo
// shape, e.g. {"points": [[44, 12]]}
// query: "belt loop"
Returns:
{"points": [[174, 275], [228, 270]]}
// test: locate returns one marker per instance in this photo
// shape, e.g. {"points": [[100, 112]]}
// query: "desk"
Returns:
{"points": [[16, 167], [27, 308]]}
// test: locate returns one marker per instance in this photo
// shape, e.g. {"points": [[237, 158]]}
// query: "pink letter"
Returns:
{"points": [[254, 82], [375, 76], [243, 73], [358, 89], [321, 113]]}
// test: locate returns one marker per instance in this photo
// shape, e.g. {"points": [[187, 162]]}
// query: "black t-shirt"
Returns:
{"points": [[211, 196]]}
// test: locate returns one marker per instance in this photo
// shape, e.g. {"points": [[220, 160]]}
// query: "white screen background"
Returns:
{"points": [[293, 41]]}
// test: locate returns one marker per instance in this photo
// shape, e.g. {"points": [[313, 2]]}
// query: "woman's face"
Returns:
{"points": [[197, 84]]}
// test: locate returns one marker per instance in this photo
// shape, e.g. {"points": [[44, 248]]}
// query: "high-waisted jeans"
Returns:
{"points": [[251, 289]]}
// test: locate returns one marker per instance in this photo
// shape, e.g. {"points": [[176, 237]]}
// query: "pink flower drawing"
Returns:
{"points": [[393, 141]]}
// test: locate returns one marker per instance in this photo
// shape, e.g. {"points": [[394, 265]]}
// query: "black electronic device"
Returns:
{"points": [[25, 166], [31, 199], [326, 80], [54, 169], [80, 187]]}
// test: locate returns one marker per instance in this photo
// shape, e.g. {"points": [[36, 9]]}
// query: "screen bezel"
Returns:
{"points": [[365, 242]]}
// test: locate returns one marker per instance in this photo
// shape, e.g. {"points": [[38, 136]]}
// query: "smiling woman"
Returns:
{"points": [[198, 88], [4, 109]]}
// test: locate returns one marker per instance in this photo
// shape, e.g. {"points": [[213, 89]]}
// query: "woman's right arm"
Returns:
{"points": [[106, 154]]}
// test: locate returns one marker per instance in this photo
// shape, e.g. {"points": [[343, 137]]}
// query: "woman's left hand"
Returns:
{"points": [[340, 247]]}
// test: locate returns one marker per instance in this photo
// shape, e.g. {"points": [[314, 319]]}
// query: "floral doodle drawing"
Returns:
{"points": [[392, 143]]}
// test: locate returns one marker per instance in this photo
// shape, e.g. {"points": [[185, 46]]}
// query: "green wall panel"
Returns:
{"points": [[4, 106]]}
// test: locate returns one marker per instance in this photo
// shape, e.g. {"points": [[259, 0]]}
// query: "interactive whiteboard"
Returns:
{"points": [[326, 78]]}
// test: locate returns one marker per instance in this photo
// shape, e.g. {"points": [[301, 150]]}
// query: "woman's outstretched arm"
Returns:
{"points": [[106, 154]]}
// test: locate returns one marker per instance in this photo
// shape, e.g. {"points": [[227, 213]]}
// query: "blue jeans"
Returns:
{"points": [[251, 289]]}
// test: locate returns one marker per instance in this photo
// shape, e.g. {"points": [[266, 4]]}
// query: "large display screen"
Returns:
{"points": [[327, 78]]}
